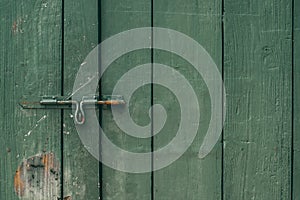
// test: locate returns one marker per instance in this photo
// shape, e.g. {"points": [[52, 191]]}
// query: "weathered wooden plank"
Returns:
{"points": [[296, 164], [258, 79], [30, 65], [118, 16], [189, 177], [81, 169]]}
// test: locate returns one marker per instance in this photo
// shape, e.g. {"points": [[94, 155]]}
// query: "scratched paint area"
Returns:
{"points": [[257, 147], [81, 170], [38, 177], [118, 185], [29, 66], [189, 177], [258, 78], [35, 126]]}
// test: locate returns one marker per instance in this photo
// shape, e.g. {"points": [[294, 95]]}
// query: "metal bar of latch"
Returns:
{"points": [[54, 102]]}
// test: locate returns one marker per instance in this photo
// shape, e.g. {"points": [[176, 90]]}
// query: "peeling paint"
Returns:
{"points": [[19, 183], [14, 27], [38, 177]]}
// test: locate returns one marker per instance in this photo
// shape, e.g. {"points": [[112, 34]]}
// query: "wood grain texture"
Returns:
{"points": [[189, 177], [118, 16], [296, 166], [81, 169], [258, 79], [30, 65]]}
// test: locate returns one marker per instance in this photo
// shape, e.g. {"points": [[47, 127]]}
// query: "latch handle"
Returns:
{"points": [[79, 118]]}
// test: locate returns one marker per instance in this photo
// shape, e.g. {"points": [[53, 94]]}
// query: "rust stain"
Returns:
{"points": [[19, 183], [15, 27], [49, 163], [114, 102], [29, 103]]}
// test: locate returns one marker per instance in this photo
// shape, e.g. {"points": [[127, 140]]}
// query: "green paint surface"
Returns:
{"points": [[296, 128], [118, 16], [81, 169], [189, 177], [258, 79], [254, 161], [30, 65]]}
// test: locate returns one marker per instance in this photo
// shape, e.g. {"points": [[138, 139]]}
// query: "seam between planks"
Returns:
{"points": [[222, 136], [292, 137], [152, 103], [100, 167], [62, 93]]}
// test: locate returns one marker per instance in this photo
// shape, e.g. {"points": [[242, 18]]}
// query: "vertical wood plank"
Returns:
{"points": [[81, 169], [30, 66], [118, 16], [189, 177], [258, 79], [296, 166]]}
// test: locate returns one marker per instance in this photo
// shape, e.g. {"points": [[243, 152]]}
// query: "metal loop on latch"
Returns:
{"points": [[53, 102], [79, 113]]}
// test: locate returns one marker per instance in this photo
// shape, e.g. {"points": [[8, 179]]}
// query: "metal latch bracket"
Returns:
{"points": [[57, 102]]}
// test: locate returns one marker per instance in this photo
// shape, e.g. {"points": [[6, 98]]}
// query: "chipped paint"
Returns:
{"points": [[38, 177], [82, 64], [15, 27], [19, 183], [35, 126]]}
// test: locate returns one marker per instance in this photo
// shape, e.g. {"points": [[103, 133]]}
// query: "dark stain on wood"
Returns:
{"points": [[66, 198]]}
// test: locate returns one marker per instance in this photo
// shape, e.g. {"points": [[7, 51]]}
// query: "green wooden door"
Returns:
{"points": [[255, 46], [30, 65]]}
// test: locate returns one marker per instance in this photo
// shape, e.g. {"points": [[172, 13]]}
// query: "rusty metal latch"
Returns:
{"points": [[54, 102]]}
